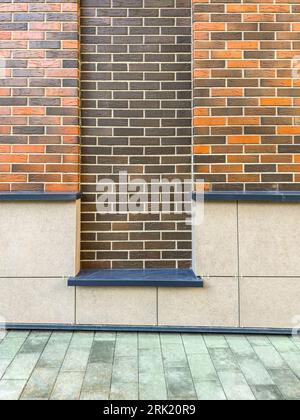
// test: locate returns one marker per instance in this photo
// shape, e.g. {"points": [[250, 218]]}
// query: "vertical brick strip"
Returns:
{"points": [[39, 95], [246, 96], [136, 117]]}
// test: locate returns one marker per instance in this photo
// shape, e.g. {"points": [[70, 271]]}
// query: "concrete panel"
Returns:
{"points": [[270, 302], [214, 306], [215, 241], [116, 305], [38, 239], [37, 301], [269, 238]]}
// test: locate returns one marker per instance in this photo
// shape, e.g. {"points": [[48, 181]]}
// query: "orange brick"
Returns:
{"points": [[226, 168], [201, 73], [274, 8], [276, 101], [289, 130], [201, 112], [61, 187], [13, 158], [227, 92], [244, 178], [242, 64], [5, 130], [243, 121], [242, 8], [243, 139], [201, 150], [26, 148], [227, 55], [263, 17], [28, 110], [209, 121], [70, 45], [243, 45], [214, 27], [5, 148]]}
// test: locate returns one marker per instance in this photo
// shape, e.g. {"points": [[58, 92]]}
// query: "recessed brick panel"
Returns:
{"points": [[136, 117], [39, 95], [246, 94]]}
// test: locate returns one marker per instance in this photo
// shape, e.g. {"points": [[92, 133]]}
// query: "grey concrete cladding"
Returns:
{"points": [[136, 117]]}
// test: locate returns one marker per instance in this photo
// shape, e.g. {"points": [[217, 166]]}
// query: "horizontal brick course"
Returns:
{"points": [[39, 54]]}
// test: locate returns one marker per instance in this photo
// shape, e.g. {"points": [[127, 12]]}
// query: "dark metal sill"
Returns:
{"points": [[271, 196], [131, 278], [38, 196]]}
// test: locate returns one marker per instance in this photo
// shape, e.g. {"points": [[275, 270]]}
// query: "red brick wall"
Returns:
{"points": [[246, 95], [39, 96]]}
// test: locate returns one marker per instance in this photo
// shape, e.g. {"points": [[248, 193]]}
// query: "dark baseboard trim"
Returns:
{"points": [[158, 329], [38, 196], [272, 196], [136, 278]]}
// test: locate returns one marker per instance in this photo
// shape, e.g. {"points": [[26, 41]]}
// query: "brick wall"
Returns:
{"points": [[247, 105], [136, 116], [39, 143]]}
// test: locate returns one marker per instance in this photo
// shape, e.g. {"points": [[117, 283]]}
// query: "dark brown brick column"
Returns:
{"points": [[136, 117]]}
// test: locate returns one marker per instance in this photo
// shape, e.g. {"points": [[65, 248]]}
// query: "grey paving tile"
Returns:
{"points": [[78, 353], [68, 386], [284, 344], [210, 391], [55, 351], [180, 383], [105, 336], [102, 351], [96, 396], [293, 361], [18, 334], [151, 375], [174, 355], [235, 386], [223, 359], [202, 368], [239, 345], [76, 360], [125, 370], [194, 344], [153, 390], [34, 344], [267, 393], [120, 392], [61, 337], [22, 366], [40, 384], [4, 363], [270, 357], [287, 382], [126, 345], [215, 341], [148, 341], [82, 340], [9, 347], [254, 371], [97, 378], [11, 389], [40, 334], [170, 338], [150, 363], [258, 340]]}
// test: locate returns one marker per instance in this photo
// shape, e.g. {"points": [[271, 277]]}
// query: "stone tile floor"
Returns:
{"points": [[63, 366]]}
